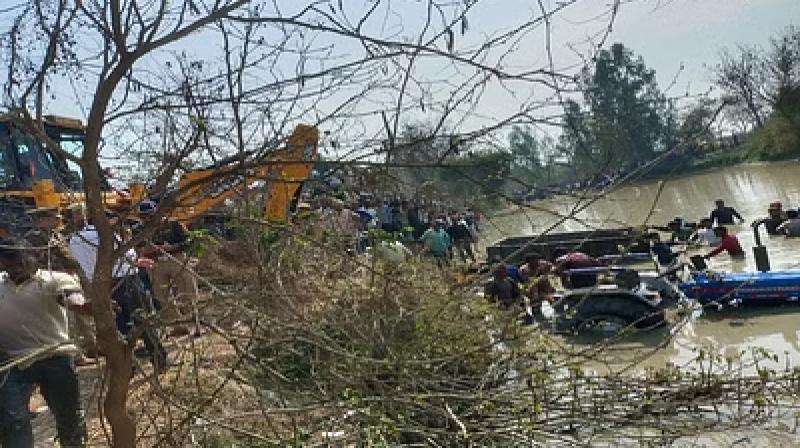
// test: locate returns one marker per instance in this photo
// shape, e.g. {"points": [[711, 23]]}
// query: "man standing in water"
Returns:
{"points": [[502, 290], [790, 227], [775, 217], [724, 214], [727, 243]]}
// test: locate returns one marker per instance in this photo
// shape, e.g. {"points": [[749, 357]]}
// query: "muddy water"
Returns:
{"points": [[748, 188]]}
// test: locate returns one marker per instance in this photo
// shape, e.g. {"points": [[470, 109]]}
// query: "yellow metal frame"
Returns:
{"points": [[283, 172]]}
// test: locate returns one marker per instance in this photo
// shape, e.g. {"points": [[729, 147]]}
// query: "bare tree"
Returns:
{"points": [[782, 65], [740, 75], [193, 82], [761, 81], [314, 347]]}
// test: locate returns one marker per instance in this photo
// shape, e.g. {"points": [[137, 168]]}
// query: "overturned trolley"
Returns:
{"points": [[597, 243]]}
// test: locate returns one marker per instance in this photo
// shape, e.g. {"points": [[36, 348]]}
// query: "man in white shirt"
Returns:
{"points": [[34, 332], [127, 290], [83, 246], [704, 235]]}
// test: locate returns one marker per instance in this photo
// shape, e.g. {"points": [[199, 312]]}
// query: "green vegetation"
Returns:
{"points": [[623, 120], [778, 139], [437, 165], [624, 117]]}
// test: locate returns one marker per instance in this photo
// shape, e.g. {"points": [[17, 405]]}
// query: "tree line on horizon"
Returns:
{"points": [[622, 119]]}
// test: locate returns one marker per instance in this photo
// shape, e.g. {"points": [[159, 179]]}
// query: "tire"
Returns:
{"points": [[602, 326], [629, 309]]}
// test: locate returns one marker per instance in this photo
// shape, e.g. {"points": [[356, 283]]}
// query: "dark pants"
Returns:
{"points": [[132, 297], [464, 248], [58, 383], [442, 260], [582, 280]]}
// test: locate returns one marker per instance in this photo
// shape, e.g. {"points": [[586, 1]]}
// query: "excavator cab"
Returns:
{"points": [[32, 175], [25, 160]]}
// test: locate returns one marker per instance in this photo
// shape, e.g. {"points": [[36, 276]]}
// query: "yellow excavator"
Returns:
{"points": [[31, 176], [277, 179]]}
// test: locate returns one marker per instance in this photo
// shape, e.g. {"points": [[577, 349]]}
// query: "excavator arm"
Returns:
{"points": [[32, 176], [282, 174]]}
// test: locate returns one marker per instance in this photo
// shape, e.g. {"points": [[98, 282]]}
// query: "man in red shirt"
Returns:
{"points": [[727, 243], [575, 259]]}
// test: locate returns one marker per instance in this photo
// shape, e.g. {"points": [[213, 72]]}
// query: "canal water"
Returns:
{"points": [[750, 189]]}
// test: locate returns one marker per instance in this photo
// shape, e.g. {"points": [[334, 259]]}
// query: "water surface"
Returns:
{"points": [[749, 188]]}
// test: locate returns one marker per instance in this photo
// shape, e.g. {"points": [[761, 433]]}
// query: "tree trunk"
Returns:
{"points": [[119, 358], [751, 105]]}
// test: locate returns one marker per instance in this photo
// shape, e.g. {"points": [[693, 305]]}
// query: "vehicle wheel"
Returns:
{"points": [[632, 310], [602, 326]]}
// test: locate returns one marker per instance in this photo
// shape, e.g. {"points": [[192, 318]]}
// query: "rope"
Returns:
{"points": [[30, 358]]}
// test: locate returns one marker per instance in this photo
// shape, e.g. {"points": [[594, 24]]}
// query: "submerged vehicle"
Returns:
{"points": [[627, 242], [747, 288], [765, 287], [741, 288], [609, 309], [633, 301]]}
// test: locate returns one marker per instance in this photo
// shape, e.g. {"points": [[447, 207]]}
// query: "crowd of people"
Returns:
{"points": [[534, 282], [43, 309], [46, 319], [429, 228]]}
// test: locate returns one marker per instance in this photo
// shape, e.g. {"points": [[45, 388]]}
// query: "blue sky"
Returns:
{"points": [[693, 31], [668, 34]]}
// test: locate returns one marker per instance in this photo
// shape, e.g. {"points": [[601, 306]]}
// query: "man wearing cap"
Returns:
{"points": [[167, 248], [74, 219], [775, 217], [33, 334], [48, 243]]}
